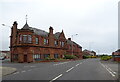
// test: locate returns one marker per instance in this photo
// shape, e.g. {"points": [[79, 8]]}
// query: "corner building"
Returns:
{"points": [[30, 44]]}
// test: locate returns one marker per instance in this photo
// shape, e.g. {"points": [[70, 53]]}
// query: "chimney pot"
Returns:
{"points": [[69, 39]]}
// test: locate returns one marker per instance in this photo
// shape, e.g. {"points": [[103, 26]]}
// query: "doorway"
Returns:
{"points": [[25, 58]]}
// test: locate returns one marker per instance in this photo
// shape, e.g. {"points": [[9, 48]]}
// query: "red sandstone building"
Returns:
{"points": [[30, 44], [116, 55]]}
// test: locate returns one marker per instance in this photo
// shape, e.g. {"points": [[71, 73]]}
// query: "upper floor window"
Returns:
{"points": [[62, 44], [20, 38], [37, 40], [25, 38], [45, 41], [56, 43], [29, 38]]}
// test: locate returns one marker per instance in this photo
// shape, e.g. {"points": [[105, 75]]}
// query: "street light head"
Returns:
{"points": [[76, 34], [3, 24]]}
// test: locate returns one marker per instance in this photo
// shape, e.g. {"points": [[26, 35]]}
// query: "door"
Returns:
{"points": [[25, 58]]}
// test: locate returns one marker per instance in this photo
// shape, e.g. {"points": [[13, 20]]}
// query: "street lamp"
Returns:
{"points": [[72, 41], [11, 50], [6, 25], [90, 45]]}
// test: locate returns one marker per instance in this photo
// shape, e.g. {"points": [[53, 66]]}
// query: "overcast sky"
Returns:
{"points": [[95, 21]]}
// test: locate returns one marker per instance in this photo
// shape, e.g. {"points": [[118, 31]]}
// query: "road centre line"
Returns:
{"points": [[26, 66], [69, 69], [80, 63], [30, 70], [56, 77], [23, 71], [77, 64], [32, 66], [61, 63]]}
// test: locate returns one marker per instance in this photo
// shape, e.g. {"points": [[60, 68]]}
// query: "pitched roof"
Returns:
{"points": [[26, 26], [118, 50], [45, 34], [57, 34], [35, 30], [72, 42]]}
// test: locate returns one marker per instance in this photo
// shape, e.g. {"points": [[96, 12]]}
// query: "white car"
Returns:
{"points": [[2, 58]]}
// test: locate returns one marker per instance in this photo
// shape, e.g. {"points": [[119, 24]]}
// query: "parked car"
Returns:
{"points": [[2, 58]]}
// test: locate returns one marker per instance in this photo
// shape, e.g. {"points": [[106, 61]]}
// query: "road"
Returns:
{"points": [[87, 69]]}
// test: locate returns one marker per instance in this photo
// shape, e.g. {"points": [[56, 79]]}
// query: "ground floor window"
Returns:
{"points": [[56, 56], [15, 56], [36, 56], [46, 55]]}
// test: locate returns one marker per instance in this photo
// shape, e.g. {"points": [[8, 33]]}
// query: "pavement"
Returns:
{"points": [[86, 69], [6, 70]]}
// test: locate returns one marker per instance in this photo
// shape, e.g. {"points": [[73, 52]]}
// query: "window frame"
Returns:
{"points": [[36, 40], [25, 38], [45, 41]]}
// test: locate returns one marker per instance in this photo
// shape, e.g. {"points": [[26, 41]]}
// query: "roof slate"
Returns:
{"points": [[45, 34], [72, 42]]}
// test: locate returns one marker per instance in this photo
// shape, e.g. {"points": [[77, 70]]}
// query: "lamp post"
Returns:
{"points": [[72, 42], [10, 45]]}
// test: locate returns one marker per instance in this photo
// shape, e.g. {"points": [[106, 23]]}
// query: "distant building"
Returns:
{"points": [[89, 53], [116, 55], [29, 44]]}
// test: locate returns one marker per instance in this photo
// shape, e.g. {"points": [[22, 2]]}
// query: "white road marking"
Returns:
{"points": [[32, 66], [26, 66], [56, 77], [80, 63], [77, 64], [16, 73], [61, 63], [69, 69], [108, 69], [112, 71], [23, 71], [30, 70]]}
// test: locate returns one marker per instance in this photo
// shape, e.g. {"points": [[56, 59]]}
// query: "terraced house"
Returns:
{"points": [[29, 44]]}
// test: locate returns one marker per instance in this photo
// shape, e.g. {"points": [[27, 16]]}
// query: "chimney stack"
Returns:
{"points": [[51, 30], [69, 39]]}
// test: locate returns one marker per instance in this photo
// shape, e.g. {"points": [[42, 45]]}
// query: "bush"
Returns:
{"points": [[85, 57], [106, 57], [93, 56], [69, 57], [48, 58]]}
